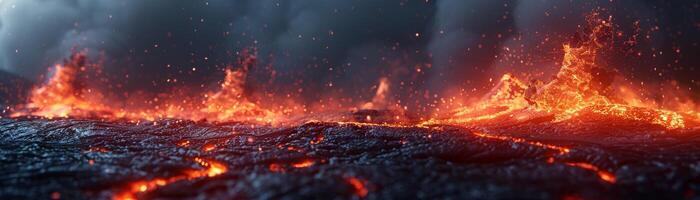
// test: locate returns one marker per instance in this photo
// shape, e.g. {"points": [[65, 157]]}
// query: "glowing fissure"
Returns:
{"points": [[359, 186], [602, 174], [211, 169]]}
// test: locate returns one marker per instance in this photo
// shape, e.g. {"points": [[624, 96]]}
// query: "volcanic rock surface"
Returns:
{"points": [[93, 159]]}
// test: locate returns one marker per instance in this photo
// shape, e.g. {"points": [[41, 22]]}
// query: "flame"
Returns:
{"points": [[230, 102], [212, 169], [573, 92], [359, 185], [380, 99], [64, 96]]}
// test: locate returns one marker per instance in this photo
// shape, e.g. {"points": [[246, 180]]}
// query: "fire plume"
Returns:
{"points": [[380, 99], [576, 90], [63, 95]]}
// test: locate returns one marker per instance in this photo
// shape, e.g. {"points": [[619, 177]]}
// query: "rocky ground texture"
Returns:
{"points": [[94, 159]]}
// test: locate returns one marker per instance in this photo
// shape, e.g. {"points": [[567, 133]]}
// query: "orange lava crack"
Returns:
{"points": [[602, 174], [359, 185], [212, 168]]}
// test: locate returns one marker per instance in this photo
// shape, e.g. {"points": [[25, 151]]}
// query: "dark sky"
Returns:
{"points": [[340, 47]]}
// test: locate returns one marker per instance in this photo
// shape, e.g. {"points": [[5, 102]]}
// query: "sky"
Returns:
{"points": [[340, 47]]}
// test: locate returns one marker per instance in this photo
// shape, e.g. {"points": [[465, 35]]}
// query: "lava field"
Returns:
{"points": [[93, 159]]}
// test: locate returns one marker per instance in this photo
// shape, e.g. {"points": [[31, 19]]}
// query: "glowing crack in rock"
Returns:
{"points": [[211, 169]]}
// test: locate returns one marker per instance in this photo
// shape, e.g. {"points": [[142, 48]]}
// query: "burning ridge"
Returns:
{"points": [[578, 90]]}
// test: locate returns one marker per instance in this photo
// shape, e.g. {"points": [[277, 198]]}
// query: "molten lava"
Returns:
{"points": [[212, 169], [360, 189], [602, 174], [576, 91], [303, 164]]}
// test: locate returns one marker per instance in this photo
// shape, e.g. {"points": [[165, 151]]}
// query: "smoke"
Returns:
{"points": [[542, 28], [466, 35], [156, 40], [324, 46], [328, 45], [133, 37]]}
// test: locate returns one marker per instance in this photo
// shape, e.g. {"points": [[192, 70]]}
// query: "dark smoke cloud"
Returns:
{"points": [[326, 43], [466, 35], [542, 28], [302, 40], [316, 44], [137, 37]]}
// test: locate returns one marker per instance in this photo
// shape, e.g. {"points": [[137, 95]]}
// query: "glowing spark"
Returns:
{"points": [[360, 189], [304, 164]]}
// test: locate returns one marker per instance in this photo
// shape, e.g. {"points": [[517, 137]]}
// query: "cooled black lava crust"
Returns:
{"points": [[39, 157]]}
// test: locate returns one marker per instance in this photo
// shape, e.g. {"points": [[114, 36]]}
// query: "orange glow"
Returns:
{"points": [[184, 143], [602, 174], [561, 150], [316, 140], [359, 185], [573, 92], [380, 99], [211, 169], [303, 164], [275, 168], [98, 149], [64, 95], [230, 103], [209, 147]]}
